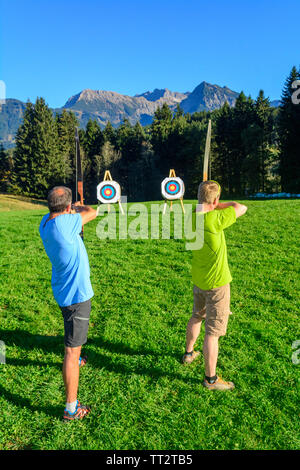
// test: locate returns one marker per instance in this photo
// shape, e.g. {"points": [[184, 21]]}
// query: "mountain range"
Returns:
{"points": [[104, 106]]}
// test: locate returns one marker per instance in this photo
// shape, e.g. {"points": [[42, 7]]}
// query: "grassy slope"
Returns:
{"points": [[142, 397], [10, 202]]}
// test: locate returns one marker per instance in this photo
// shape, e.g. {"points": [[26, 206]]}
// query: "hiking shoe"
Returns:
{"points": [[188, 358], [80, 412], [219, 384]]}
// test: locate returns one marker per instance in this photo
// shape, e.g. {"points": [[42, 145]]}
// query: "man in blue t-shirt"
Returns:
{"points": [[71, 285]]}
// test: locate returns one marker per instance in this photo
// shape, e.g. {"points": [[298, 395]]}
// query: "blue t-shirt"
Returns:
{"points": [[70, 265]]}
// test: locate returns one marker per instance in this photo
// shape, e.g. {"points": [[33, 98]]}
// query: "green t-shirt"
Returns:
{"points": [[209, 265]]}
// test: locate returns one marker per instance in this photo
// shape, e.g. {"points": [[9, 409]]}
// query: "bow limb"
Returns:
{"points": [[207, 152], [79, 175]]}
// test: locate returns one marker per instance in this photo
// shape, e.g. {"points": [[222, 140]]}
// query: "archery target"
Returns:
{"points": [[172, 188], [108, 192]]}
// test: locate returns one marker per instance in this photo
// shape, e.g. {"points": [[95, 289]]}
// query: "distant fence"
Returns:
{"points": [[274, 196]]}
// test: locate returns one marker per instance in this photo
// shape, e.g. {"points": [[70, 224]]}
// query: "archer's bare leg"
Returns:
{"points": [[210, 351], [71, 372], [192, 332]]}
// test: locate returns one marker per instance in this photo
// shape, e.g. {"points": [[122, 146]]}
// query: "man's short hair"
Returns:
{"points": [[59, 198], [208, 191]]}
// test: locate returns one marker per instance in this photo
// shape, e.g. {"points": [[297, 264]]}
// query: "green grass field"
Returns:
{"points": [[142, 396]]}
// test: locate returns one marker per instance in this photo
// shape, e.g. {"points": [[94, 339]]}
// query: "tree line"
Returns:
{"points": [[254, 148]]}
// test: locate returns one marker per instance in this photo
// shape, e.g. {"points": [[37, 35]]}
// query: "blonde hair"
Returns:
{"points": [[208, 191]]}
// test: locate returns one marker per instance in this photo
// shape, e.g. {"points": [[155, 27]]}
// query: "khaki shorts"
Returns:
{"points": [[213, 306]]}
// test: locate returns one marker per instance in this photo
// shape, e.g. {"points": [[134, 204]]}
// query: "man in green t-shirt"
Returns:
{"points": [[211, 277]]}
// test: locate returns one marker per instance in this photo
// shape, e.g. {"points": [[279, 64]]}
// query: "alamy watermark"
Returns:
{"points": [[296, 93], [153, 222], [296, 354], [2, 353]]}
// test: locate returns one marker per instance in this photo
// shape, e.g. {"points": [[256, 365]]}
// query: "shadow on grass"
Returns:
{"points": [[122, 348], [54, 344], [22, 402]]}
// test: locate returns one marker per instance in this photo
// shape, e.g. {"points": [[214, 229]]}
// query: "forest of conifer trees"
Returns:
{"points": [[255, 148]]}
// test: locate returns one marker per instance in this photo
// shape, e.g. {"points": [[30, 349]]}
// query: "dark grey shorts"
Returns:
{"points": [[76, 321]]}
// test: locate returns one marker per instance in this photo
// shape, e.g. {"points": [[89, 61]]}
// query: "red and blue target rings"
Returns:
{"points": [[108, 192], [172, 187]]}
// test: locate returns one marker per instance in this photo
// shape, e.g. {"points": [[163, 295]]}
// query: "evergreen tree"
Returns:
{"points": [[109, 133], [222, 130], [244, 149], [265, 123], [93, 139], [160, 131], [23, 154], [191, 155], [66, 123], [38, 165], [93, 142], [129, 142], [289, 136], [233, 126], [6, 166]]}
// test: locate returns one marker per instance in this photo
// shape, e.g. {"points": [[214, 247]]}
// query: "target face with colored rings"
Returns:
{"points": [[172, 188], [108, 192]]}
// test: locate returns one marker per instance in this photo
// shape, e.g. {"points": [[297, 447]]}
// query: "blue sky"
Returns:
{"points": [[55, 48]]}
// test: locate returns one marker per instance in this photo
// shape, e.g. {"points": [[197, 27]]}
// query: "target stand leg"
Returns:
{"points": [[165, 206], [121, 208], [182, 206], [171, 206]]}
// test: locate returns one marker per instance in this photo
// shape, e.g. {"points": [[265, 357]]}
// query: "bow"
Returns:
{"points": [[79, 176], [207, 152]]}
